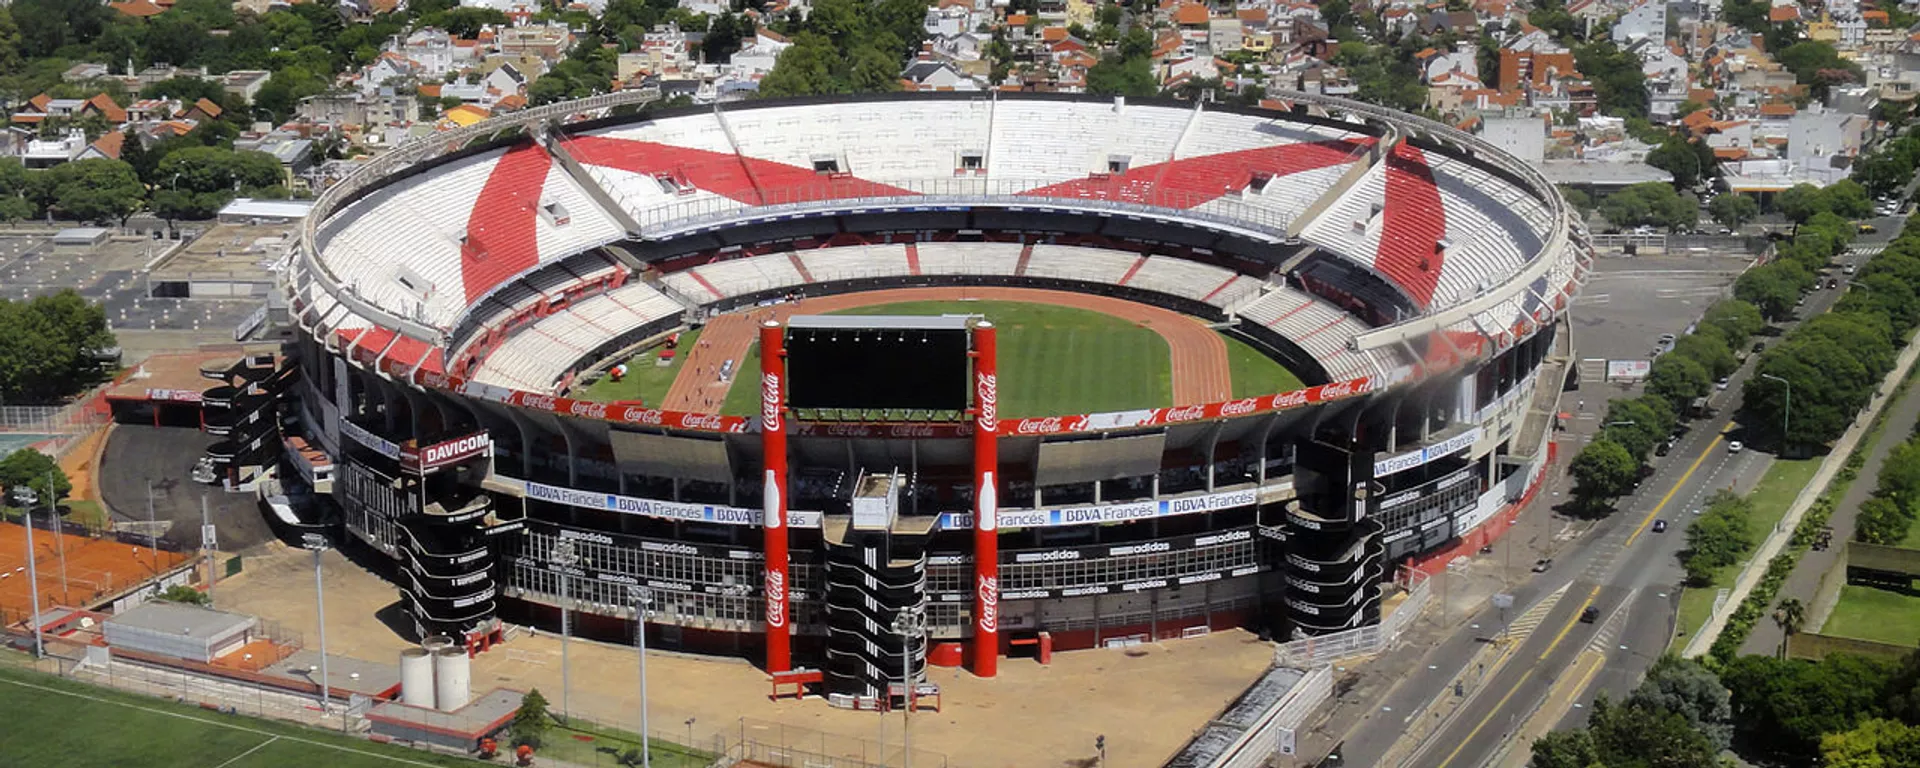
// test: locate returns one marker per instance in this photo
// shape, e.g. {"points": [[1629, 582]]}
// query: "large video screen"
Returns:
{"points": [[870, 368]]}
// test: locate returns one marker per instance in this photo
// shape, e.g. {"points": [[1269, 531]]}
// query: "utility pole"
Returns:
{"points": [[207, 543], [318, 544], [642, 605], [908, 624], [59, 539], [153, 540], [564, 559], [33, 584]]}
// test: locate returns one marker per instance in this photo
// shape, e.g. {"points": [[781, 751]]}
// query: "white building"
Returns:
{"points": [[1647, 20]]}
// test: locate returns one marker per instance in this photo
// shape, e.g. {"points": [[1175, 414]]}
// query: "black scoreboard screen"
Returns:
{"points": [[877, 362]]}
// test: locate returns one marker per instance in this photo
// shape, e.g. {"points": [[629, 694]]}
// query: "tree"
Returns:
{"points": [[1638, 424], [803, 69], [1619, 85], [1114, 75], [9, 43], [1678, 379], [1783, 707], [531, 721], [1790, 614], [1732, 210], [1652, 203], [1718, 537], [1566, 749], [1689, 689], [1709, 350], [36, 470], [1875, 743], [181, 593], [723, 38], [1604, 470], [1772, 288], [1881, 521], [1849, 199], [200, 180], [1637, 734], [95, 189], [47, 345], [1800, 202], [1681, 158]]}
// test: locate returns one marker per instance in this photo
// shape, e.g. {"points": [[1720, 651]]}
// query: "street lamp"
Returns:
{"points": [[33, 578], [642, 605], [908, 624], [564, 559], [1786, 410], [318, 544]]}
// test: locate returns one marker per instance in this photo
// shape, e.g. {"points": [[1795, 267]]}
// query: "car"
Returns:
{"points": [[1667, 339], [1759, 347], [1723, 383], [1833, 282], [1868, 229], [1659, 526], [1734, 447], [1590, 615], [1846, 269], [1541, 565], [1663, 449], [1723, 231]]}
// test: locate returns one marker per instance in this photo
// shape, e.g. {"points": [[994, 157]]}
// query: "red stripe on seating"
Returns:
{"points": [[501, 239], [1194, 181], [1133, 270], [800, 267], [1413, 223], [913, 258], [702, 279], [1026, 255], [745, 179], [1290, 313], [1316, 331], [1223, 286]]}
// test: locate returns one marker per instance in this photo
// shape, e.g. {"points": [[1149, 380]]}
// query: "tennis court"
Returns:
{"points": [[13, 441], [90, 568]]}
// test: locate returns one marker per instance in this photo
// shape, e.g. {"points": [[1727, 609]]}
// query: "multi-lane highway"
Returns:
{"points": [[1621, 567]]}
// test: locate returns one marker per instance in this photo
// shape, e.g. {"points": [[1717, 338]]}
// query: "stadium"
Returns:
{"points": [[1046, 372]]}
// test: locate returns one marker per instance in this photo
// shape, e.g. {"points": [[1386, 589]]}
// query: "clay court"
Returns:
{"points": [[1201, 373], [93, 568]]}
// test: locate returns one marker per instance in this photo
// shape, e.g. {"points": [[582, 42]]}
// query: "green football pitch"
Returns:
{"points": [[50, 721], [1064, 360]]}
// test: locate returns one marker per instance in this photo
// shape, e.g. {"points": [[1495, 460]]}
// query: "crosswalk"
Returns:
{"points": [[1524, 625], [1866, 250]]}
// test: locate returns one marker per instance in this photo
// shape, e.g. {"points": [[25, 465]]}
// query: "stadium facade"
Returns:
{"points": [[447, 297]]}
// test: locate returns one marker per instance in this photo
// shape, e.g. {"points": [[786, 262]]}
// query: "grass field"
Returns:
{"points": [[50, 721], [1871, 613], [646, 381], [1771, 497], [1255, 374]]}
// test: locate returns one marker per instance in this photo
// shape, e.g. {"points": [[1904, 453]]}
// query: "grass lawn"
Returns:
{"points": [[1776, 492], [1912, 541], [1871, 613], [87, 513], [1255, 374], [1056, 360], [50, 721], [587, 744], [646, 381]]}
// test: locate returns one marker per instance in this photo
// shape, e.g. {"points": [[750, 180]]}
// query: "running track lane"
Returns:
{"points": [[1200, 370]]}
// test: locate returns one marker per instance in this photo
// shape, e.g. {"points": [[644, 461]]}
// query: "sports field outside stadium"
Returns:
{"points": [[50, 721], [1053, 360]]}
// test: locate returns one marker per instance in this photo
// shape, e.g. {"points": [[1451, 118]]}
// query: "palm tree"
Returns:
{"points": [[1789, 614]]}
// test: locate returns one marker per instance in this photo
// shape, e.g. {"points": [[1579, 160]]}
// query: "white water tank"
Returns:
{"points": [[416, 678], [452, 675], [434, 643]]}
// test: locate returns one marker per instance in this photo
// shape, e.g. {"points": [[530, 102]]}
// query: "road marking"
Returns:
{"points": [[1584, 604]]}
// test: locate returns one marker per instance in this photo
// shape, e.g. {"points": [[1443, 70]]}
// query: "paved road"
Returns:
{"points": [[1620, 562], [1805, 580]]}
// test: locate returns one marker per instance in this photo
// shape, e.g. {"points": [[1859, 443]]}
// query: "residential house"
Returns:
{"points": [[1224, 36], [927, 74], [352, 107], [1457, 23], [947, 21], [245, 83], [294, 152], [1533, 59], [1647, 20], [756, 56], [547, 41], [82, 72], [47, 153], [107, 147]]}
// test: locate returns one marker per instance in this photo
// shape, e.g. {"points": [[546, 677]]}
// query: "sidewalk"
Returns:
{"points": [[1804, 582], [1782, 533]]}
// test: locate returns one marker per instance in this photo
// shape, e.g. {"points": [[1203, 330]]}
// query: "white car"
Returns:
{"points": [[1734, 447], [1722, 383]]}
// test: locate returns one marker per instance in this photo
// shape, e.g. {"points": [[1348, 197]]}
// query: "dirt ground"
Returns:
{"points": [[81, 463], [1147, 700]]}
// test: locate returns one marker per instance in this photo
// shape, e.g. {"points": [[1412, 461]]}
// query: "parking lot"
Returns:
{"points": [[1631, 302]]}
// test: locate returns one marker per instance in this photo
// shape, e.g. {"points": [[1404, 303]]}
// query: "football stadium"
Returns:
{"points": [[850, 386]]}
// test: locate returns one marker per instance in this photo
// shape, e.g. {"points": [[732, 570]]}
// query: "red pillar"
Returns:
{"points": [[773, 445], [986, 504]]}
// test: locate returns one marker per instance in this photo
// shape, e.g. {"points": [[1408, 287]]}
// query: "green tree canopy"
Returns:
{"points": [[1732, 210], [47, 346], [1604, 470], [35, 470]]}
